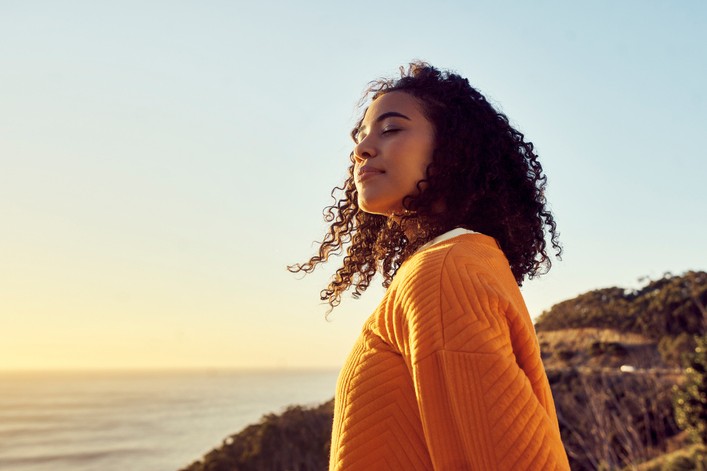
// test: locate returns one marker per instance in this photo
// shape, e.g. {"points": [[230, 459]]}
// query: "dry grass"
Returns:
{"points": [[611, 419], [574, 348], [584, 337], [691, 457]]}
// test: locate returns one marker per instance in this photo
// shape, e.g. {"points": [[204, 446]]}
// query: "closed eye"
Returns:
{"points": [[391, 130]]}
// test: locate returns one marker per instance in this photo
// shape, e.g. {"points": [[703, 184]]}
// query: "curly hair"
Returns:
{"points": [[483, 171]]}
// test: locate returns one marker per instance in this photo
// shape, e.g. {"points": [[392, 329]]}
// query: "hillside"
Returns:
{"points": [[613, 358], [296, 440], [668, 306], [596, 349]]}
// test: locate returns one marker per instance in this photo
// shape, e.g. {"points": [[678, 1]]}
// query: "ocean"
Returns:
{"points": [[151, 421]]}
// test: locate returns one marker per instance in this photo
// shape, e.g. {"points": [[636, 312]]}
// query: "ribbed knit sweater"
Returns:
{"points": [[446, 373]]}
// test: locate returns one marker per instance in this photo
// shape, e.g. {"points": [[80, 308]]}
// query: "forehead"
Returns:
{"points": [[400, 102]]}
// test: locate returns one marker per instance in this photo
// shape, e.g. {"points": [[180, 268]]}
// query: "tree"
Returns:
{"points": [[690, 401], [671, 305], [668, 306]]}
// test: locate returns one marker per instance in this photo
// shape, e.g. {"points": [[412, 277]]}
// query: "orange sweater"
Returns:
{"points": [[446, 374]]}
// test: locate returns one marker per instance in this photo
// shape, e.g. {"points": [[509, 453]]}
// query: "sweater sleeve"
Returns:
{"points": [[480, 409]]}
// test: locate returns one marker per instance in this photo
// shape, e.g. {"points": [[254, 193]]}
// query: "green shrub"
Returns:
{"points": [[298, 439], [676, 350], [690, 401]]}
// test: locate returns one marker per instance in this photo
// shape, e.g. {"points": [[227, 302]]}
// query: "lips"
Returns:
{"points": [[367, 172]]}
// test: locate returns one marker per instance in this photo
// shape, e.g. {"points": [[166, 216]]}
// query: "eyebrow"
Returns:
{"points": [[390, 114], [384, 116]]}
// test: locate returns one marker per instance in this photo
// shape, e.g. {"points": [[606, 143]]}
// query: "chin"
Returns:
{"points": [[368, 207], [380, 210], [368, 210]]}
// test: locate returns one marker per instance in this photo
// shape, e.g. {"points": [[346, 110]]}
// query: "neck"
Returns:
{"points": [[411, 228]]}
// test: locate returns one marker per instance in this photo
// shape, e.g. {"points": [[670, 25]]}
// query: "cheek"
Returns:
{"points": [[357, 185], [424, 159]]}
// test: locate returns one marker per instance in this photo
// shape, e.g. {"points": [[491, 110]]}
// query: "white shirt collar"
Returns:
{"points": [[446, 236]]}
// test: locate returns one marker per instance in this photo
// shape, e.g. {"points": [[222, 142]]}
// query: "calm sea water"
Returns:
{"points": [[139, 420]]}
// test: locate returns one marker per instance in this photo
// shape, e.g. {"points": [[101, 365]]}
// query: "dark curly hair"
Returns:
{"points": [[483, 172]]}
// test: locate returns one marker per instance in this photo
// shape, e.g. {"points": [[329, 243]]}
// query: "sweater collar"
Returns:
{"points": [[446, 236]]}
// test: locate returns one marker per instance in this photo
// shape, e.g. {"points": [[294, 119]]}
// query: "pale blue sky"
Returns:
{"points": [[161, 162]]}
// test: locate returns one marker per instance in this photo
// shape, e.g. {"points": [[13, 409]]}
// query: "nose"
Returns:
{"points": [[364, 150]]}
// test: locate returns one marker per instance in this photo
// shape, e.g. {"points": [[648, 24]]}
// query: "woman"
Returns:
{"points": [[446, 201]]}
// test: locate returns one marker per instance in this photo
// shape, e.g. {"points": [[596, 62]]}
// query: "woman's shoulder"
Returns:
{"points": [[471, 249], [463, 284], [461, 262], [468, 253]]}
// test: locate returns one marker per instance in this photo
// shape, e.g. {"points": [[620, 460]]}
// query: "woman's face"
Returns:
{"points": [[394, 146]]}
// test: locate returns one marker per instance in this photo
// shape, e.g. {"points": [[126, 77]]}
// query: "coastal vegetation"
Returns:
{"points": [[628, 371], [296, 440]]}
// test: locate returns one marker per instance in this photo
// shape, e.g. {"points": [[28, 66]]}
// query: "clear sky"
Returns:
{"points": [[162, 162]]}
